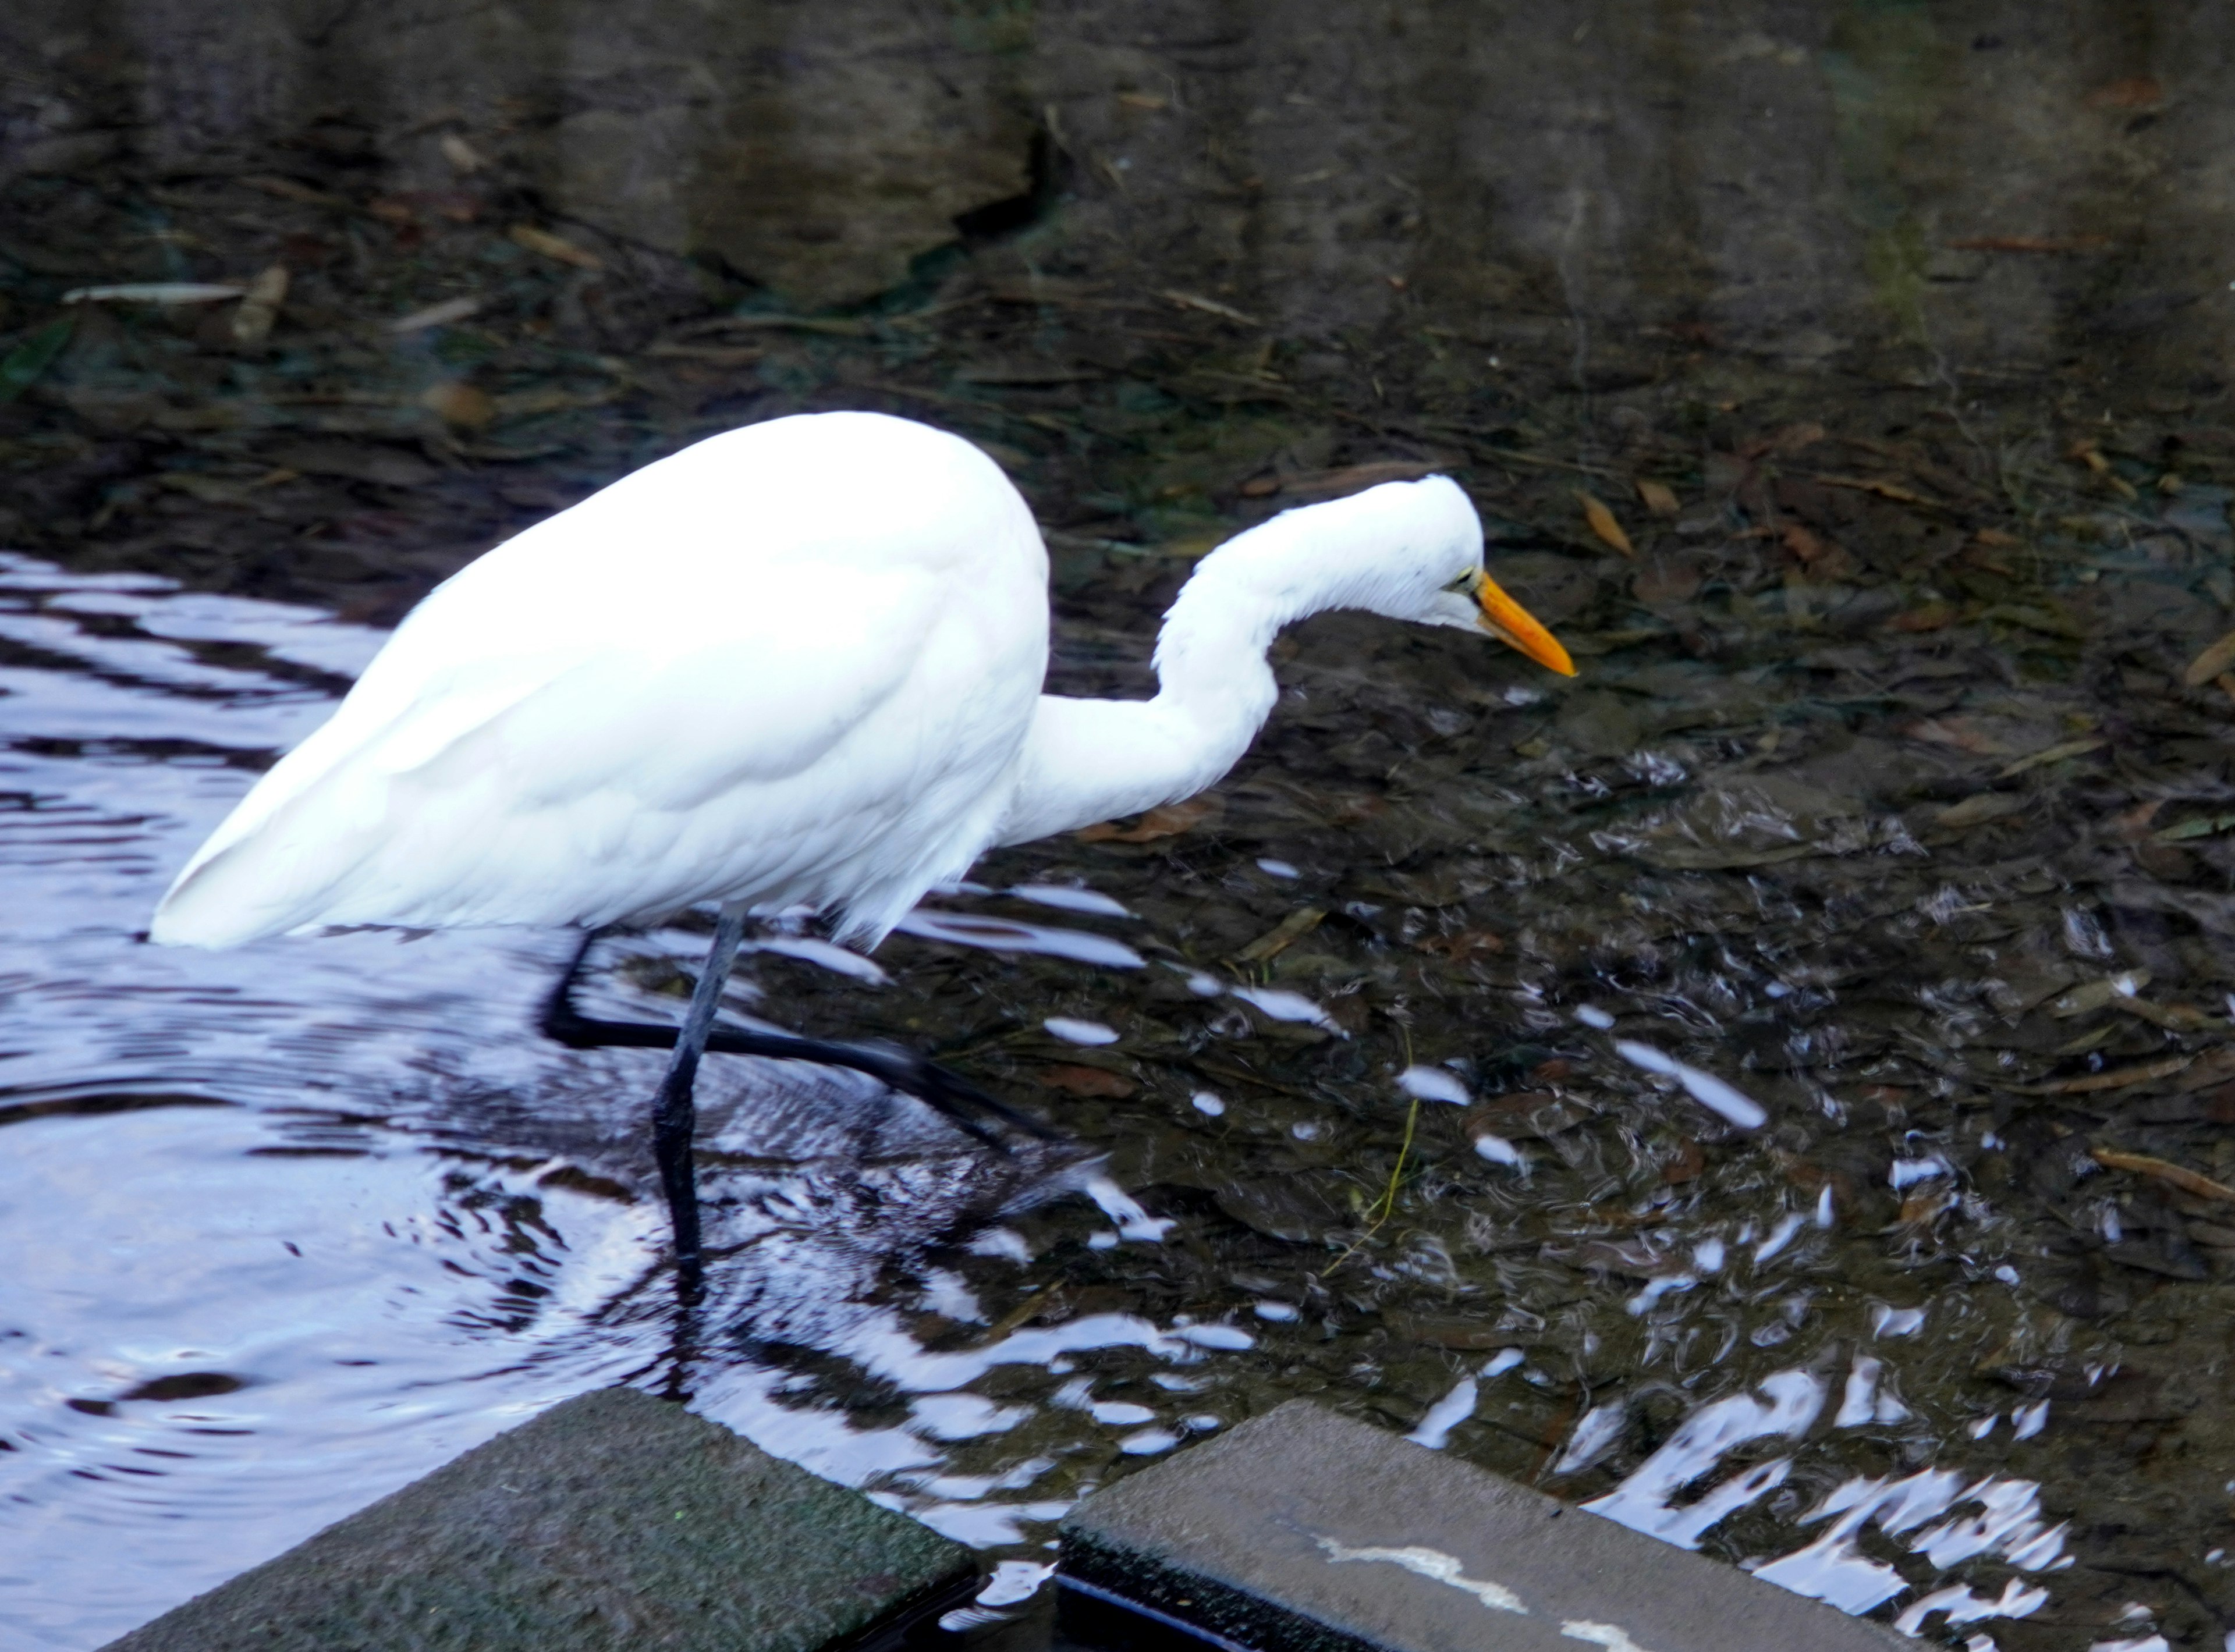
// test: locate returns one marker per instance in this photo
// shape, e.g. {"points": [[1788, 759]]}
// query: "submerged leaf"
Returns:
{"points": [[1603, 524]]}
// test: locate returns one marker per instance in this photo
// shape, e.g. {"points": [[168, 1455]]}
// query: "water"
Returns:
{"points": [[1792, 1252]]}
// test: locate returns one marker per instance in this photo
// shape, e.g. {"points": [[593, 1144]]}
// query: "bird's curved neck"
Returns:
{"points": [[1093, 760]]}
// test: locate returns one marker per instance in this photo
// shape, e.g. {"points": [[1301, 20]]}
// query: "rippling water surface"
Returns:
{"points": [[284, 1228]]}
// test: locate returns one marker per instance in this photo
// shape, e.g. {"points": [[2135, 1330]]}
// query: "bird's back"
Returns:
{"points": [[793, 662]]}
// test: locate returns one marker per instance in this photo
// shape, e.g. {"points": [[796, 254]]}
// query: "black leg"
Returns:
{"points": [[674, 1116], [962, 1103]]}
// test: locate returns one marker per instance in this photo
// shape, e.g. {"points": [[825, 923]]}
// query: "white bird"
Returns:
{"points": [[796, 664]]}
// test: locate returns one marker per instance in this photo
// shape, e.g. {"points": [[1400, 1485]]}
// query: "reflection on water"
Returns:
{"points": [[288, 1226]]}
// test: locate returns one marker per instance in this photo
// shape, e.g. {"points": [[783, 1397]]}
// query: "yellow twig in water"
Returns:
{"points": [[1388, 1203]]}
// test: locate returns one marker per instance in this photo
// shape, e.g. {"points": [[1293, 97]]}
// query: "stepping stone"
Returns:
{"points": [[1304, 1531], [612, 1522]]}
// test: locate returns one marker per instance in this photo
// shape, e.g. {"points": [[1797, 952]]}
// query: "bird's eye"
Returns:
{"points": [[1464, 583]]}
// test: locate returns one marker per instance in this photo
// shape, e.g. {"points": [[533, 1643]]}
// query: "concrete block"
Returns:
{"points": [[613, 1521], [1304, 1531]]}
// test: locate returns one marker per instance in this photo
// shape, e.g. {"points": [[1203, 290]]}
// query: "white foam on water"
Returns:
{"points": [[1703, 1087], [1502, 1361], [1006, 934], [1285, 1006], [2018, 1600], [1434, 1084], [1834, 1569], [963, 1416], [1655, 1289], [1644, 1502], [1906, 1172], [1279, 1313], [1498, 1151], [1708, 1255], [1073, 1030], [1594, 1437], [1445, 1414], [1788, 1227], [1859, 1403], [1068, 899], [2029, 1421], [1231, 1338], [1015, 1581], [1005, 1243], [1120, 1413], [1206, 1104], [1592, 1015], [1896, 1321], [825, 954], [1148, 1442], [2147, 1643], [1121, 1208], [1278, 868]]}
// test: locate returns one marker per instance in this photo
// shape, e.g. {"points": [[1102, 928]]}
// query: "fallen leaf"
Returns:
{"points": [[1087, 1081], [2053, 754], [2198, 826], [2132, 825], [435, 315], [464, 159], [2117, 1078], [259, 305], [1977, 810], [1210, 306], [1930, 617], [556, 247], [2142, 1164], [1955, 732], [2098, 994], [458, 403], [1808, 547], [2212, 661], [1891, 490], [1664, 580], [1468, 943], [1603, 524], [1282, 935], [2049, 621], [2131, 92], [2175, 1018], [1657, 497], [1166, 820]]}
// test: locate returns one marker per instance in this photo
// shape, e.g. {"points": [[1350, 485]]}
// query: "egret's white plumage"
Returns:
{"points": [[799, 663]]}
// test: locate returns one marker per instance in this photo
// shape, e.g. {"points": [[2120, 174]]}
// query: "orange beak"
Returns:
{"points": [[1511, 623]]}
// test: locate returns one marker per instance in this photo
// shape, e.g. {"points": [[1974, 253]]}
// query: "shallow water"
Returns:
{"points": [[288, 1226]]}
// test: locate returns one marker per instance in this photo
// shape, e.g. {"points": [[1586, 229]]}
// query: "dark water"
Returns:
{"points": [[286, 1227]]}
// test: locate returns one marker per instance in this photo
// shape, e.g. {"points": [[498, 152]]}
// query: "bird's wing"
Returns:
{"points": [[483, 766]]}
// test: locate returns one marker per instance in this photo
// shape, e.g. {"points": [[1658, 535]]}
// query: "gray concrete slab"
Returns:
{"points": [[1304, 1531], [613, 1521]]}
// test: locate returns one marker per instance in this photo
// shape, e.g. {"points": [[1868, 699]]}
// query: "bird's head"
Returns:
{"points": [[1433, 573]]}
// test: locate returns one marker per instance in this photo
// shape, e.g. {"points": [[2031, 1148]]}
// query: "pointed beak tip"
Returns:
{"points": [[1515, 625]]}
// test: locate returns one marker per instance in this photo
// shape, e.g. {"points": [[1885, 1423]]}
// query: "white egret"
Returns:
{"points": [[795, 664]]}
